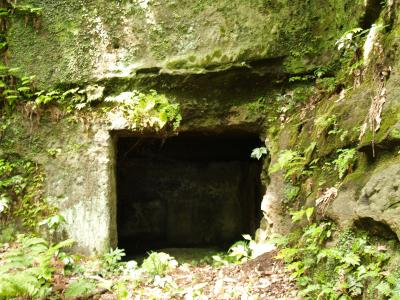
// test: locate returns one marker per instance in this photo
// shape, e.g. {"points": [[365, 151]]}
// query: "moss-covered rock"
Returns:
{"points": [[80, 41]]}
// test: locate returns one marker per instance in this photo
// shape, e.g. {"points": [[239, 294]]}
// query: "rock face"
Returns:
{"points": [[380, 198], [84, 41], [377, 200], [235, 67], [79, 165]]}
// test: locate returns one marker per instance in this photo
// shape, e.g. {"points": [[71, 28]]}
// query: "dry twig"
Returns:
{"points": [[327, 197]]}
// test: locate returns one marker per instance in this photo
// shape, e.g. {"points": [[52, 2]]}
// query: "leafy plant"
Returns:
{"points": [[350, 40], [53, 222], [111, 259], [4, 203], [121, 290], [26, 9], [290, 192], [325, 123], [158, 263], [241, 250], [21, 184], [345, 161], [327, 84], [288, 159], [300, 214], [294, 164], [349, 268], [150, 110], [259, 152], [27, 269], [79, 288], [301, 78], [238, 253]]}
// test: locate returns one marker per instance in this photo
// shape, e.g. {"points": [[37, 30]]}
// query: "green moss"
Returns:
{"points": [[192, 58], [177, 64], [394, 134], [76, 35], [390, 126], [217, 53]]}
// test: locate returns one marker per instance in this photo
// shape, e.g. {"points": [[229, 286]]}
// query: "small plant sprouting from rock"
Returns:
{"points": [[53, 223], [238, 253], [325, 123], [350, 40], [259, 152], [345, 161], [300, 214], [295, 164]]}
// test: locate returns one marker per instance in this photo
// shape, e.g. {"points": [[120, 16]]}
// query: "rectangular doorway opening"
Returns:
{"points": [[186, 191]]}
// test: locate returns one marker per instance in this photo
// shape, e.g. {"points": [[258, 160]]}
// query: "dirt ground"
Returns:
{"points": [[261, 278]]}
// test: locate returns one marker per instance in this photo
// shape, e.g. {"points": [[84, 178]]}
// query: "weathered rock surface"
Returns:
{"points": [[378, 199], [216, 59], [82, 41]]}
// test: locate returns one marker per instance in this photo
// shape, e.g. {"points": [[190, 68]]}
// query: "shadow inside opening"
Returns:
{"points": [[188, 191]]}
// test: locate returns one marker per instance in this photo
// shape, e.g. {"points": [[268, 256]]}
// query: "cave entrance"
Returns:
{"points": [[190, 190]]}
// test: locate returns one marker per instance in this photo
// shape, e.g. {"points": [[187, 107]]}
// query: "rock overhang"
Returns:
{"points": [[80, 41]]}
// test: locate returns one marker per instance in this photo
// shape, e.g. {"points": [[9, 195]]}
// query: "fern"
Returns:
{"points": [[151, 110], [79, 288], [345, 161], [294, 164], [351, 268], [27, 270]]}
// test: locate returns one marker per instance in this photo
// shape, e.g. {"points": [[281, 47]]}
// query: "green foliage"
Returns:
{"points": [[150, 110], [290, 192], [8, 233], [27, 269], [26, 9], [259, 152], [258, 105], [53, 222], [327, 84], [351, 39], [110, 260], [352, 267], [325, 123], [72, 99], [158, 263], [238, 253], [21, 184], [301, 78], [288, 101], [121, 290], [12, 7], [345, 161], [79, 288], [288, 159], [300, 214], [12, 88], [295, 165]]}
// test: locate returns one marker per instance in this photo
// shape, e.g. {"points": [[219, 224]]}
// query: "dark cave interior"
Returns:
{"points": [[190, 190]]}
